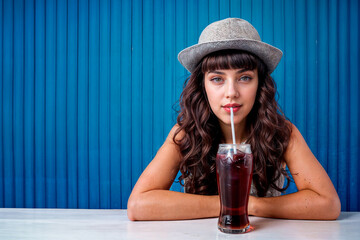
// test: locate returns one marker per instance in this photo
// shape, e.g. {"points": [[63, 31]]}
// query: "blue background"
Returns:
{"points": [[87, 90]]}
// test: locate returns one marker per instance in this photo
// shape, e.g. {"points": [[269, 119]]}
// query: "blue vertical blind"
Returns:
{"points": [[88, 90]]}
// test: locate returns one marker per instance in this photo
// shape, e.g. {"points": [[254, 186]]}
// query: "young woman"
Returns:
{"points": [[230, 67]]}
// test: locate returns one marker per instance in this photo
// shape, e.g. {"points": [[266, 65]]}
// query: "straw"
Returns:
{"points": [[233, 128]]}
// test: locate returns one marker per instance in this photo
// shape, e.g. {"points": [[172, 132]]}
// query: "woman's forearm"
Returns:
{"points": [[304, 204], [170, 205]]}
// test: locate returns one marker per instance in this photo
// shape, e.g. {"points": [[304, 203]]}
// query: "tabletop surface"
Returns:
{"points": [[30, 223]]}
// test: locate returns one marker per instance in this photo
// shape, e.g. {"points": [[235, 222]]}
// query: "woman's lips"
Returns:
{"points": [[235, 107]]}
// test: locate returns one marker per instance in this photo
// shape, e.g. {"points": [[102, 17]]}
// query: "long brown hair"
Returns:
{"points": [[269, 130]]}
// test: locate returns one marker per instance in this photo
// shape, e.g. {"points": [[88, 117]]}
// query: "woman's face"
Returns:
{"points": [[231, 88]]}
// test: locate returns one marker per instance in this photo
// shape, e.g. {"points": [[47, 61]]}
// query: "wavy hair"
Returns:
{"points": [[269, 131]]}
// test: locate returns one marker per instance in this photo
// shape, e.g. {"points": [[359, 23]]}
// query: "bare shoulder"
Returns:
{"points": [[177, 133], [296, 139], [170, 149], [162, 170], [300, 159]]}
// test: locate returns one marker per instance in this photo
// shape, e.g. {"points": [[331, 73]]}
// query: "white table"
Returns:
{"points": [[87, 224]]}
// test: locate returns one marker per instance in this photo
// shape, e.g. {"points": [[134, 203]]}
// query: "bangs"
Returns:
{"points": [[229, 59]]}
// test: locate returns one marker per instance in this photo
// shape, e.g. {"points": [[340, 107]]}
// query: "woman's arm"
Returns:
{"points": [[316, 197], [151, 198]]}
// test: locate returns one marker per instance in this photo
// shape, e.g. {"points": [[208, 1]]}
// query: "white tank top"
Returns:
{"points": [[271, 192]]}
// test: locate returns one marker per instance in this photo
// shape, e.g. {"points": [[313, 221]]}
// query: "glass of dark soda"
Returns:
{"points": [[234, 167]]}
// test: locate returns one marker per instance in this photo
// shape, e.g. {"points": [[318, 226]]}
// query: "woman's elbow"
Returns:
{"points": [[333, 208], [140, 207], [132, 208]]}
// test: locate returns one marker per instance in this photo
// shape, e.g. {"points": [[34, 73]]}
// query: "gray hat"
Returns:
{"points": [[230, 33]]}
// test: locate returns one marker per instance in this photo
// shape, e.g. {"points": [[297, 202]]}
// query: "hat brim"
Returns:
{"points": [[190, 57]]}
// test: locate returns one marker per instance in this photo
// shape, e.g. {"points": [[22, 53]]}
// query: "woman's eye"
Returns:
{"points": [[216, 79], [245, 79]]}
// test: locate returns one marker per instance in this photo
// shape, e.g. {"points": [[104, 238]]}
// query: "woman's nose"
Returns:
{"points": [[231, 90]]}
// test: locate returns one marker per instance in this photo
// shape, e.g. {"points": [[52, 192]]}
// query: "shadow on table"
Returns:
{"points": [[345, 216]]}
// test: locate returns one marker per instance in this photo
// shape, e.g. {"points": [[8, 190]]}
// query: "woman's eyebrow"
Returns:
{"points": [[222, 73], [244, 70], [216, 72]]}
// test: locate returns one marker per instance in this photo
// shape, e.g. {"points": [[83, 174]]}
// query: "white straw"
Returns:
{"points": [[232, 127]]}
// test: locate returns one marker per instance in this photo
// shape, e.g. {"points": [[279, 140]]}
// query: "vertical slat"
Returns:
{"points": [[311, 74], [8, 78], [19, 102], [224, 9], [148, 80], [40, 103], [354, 142], [170, 66], [203, 13], [104, 138], [125, 93], [2, 188], [50, 92], [289, 58], [343, 110], [333, 91], [235, 8], [94, 165], [170, 71], [71, 104], [300, 118], [181, 42], [323, 84], [115, 104], [29, 105], [255, 15], [83, 104], [248, 8], [161, 61], [278, 74], [136, 89], [192, 22], [61, 76], [268, 22], [214, 10]]}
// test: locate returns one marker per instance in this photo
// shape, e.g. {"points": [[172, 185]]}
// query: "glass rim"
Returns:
{"points": [[244, 147]]}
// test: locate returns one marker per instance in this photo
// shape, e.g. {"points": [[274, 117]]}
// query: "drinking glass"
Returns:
{"points": [[234, 167]]}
